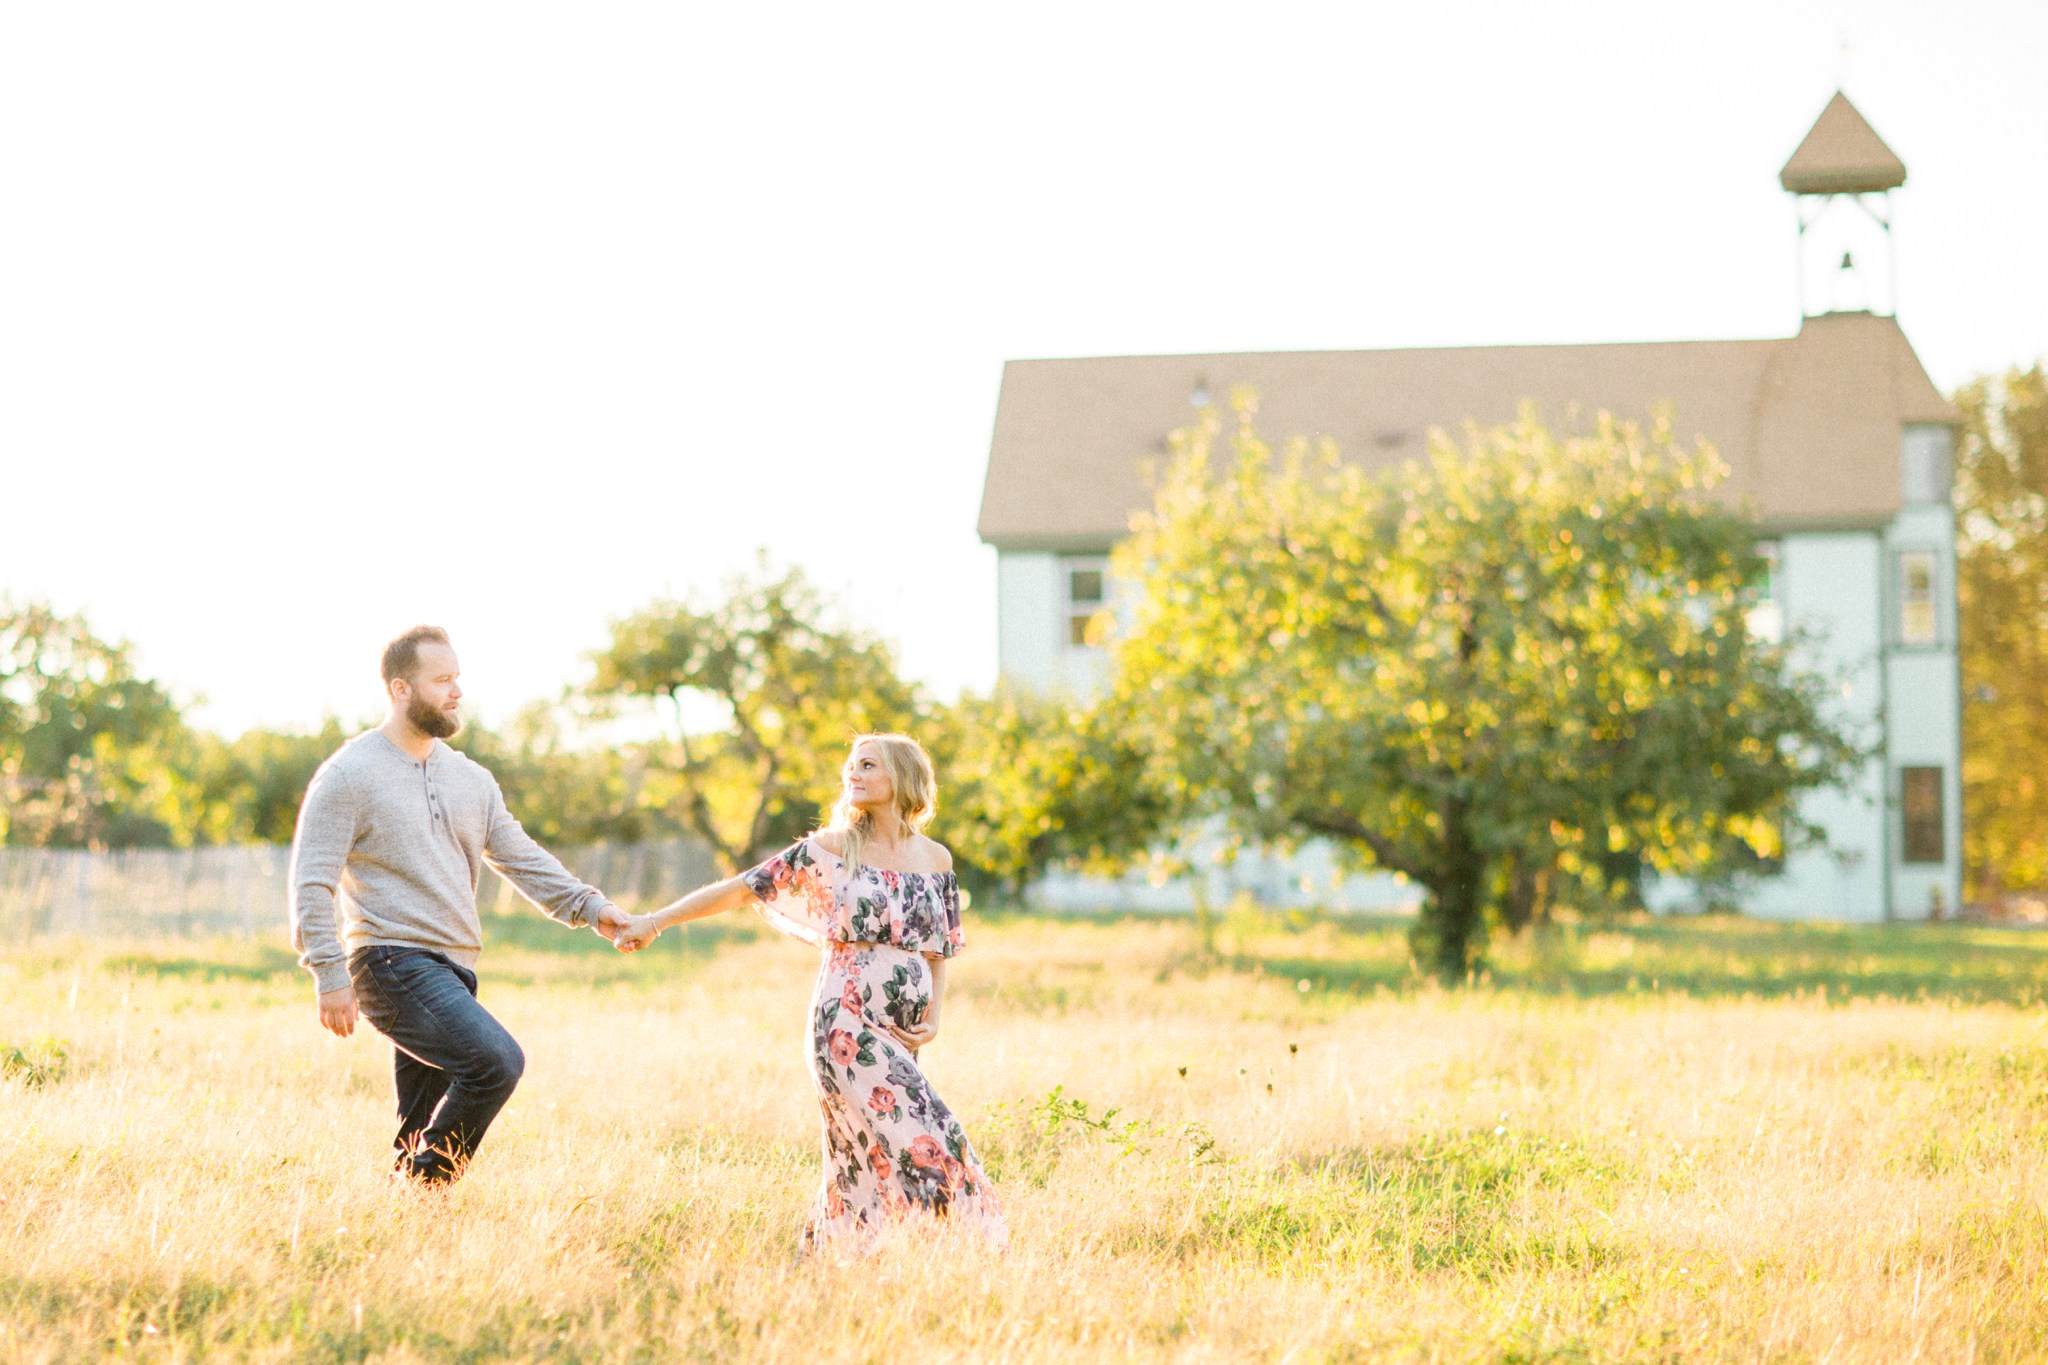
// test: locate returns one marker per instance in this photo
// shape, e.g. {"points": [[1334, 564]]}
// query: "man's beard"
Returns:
{"points": [[432, 720]]}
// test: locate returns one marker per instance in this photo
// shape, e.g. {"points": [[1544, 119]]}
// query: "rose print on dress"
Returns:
{"points": [[907, 994], [892, 1150]]}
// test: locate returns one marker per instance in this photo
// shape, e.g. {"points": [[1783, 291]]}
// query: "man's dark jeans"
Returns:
{"points": [[455, 1065]]}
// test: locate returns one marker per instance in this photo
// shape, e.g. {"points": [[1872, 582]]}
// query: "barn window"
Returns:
{"points": [[1087, 596], [1919, 622], [1920, 797], [1767, 613]]}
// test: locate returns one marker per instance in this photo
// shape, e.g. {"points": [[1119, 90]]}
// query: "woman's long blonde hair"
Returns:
{"points": [[916, 785]]}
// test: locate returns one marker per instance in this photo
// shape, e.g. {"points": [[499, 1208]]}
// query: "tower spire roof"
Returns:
{"points": [[1842, 154]]}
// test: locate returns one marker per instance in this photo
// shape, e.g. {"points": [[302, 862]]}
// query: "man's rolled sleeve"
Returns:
{"points": [[320, 847]]}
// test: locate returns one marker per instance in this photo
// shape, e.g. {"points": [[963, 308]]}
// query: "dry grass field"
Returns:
{"points": [[1696, 1141]]}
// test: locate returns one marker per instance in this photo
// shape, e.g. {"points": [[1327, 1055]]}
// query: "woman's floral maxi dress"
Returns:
{"points": [[892, 1149]]}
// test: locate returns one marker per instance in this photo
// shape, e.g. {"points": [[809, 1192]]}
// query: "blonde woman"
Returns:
{"points": [[881, 899]]}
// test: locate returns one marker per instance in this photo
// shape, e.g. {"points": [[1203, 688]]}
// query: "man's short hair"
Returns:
{"points": [[402, 656]]}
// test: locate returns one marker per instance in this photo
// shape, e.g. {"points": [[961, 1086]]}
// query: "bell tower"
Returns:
{"points": [[1841, 179]]}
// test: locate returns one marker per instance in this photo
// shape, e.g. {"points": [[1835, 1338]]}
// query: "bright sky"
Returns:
{"points": [[317, 321]]}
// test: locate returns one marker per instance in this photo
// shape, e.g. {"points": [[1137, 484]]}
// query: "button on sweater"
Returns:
{"points": [[389, 850]]}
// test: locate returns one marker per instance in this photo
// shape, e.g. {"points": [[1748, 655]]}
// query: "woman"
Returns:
{"points": [[881, 899]]}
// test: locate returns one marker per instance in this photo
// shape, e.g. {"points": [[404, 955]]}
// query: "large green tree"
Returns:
{"points": [[2002, 584], [1031, 780], [91, 755], [563, 792], [764, 692], [1514, 669], [252, 784]]}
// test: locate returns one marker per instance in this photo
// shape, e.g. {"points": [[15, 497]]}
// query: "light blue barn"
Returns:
{"points": [[1834, 436]]}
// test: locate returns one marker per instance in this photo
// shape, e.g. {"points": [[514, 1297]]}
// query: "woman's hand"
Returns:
{"points": [[916, 1035], [640, 931]]}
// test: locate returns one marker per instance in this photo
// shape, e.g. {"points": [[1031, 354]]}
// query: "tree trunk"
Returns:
{"points": [[698, 811], [1527, 899], [1451, 920], [1457, 933]]}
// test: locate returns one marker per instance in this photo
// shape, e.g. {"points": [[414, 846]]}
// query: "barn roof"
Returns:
{"points": [[1808, 424], [1842, 154]]}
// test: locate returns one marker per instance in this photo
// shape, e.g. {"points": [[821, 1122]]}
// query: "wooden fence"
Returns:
{"points": [[240, 889]]}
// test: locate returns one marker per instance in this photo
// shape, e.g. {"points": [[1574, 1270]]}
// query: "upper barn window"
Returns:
{"points": [[1919, 621], [1767, 613], [1087, 590]]}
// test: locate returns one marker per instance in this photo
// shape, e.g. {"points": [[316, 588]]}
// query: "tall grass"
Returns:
{"points": [[1701, 1141]]}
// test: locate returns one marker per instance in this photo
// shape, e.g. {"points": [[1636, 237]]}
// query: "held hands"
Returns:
{"points": [[636, 933], [628, 933]]}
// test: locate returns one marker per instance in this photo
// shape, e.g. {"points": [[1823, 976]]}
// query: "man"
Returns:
{"points": [[394, 832]]}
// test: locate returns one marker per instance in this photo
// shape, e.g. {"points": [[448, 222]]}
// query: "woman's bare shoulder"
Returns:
{"points": [[833, 841], [940, 857]]}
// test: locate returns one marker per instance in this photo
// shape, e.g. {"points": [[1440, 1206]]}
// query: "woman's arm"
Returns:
{"points": [[927, 1028], [705, 901]]}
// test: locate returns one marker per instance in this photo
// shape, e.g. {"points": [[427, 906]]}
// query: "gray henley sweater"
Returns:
{"points": [[397, 845]]}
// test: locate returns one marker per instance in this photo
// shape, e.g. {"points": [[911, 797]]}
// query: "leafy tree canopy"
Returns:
{"points": [[1028, 781], [253, 784], [89, 752], [765, 694], [1505, 671], [561, 792], [2002, 588]]}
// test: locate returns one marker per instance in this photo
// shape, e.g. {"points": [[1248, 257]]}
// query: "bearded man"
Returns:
{"points": [[393, 835]]}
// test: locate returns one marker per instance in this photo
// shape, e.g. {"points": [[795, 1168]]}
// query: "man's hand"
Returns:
{"points": [[338, 1011], [635, 934], [609, 921]]}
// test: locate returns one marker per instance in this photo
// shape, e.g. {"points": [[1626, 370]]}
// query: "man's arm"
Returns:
{"points": [[540, 877], [320, 846]]}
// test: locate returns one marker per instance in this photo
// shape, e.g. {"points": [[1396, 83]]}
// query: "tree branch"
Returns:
{"points": [[748, 734], [1384, 851], [699, 808], [767, 792]]}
